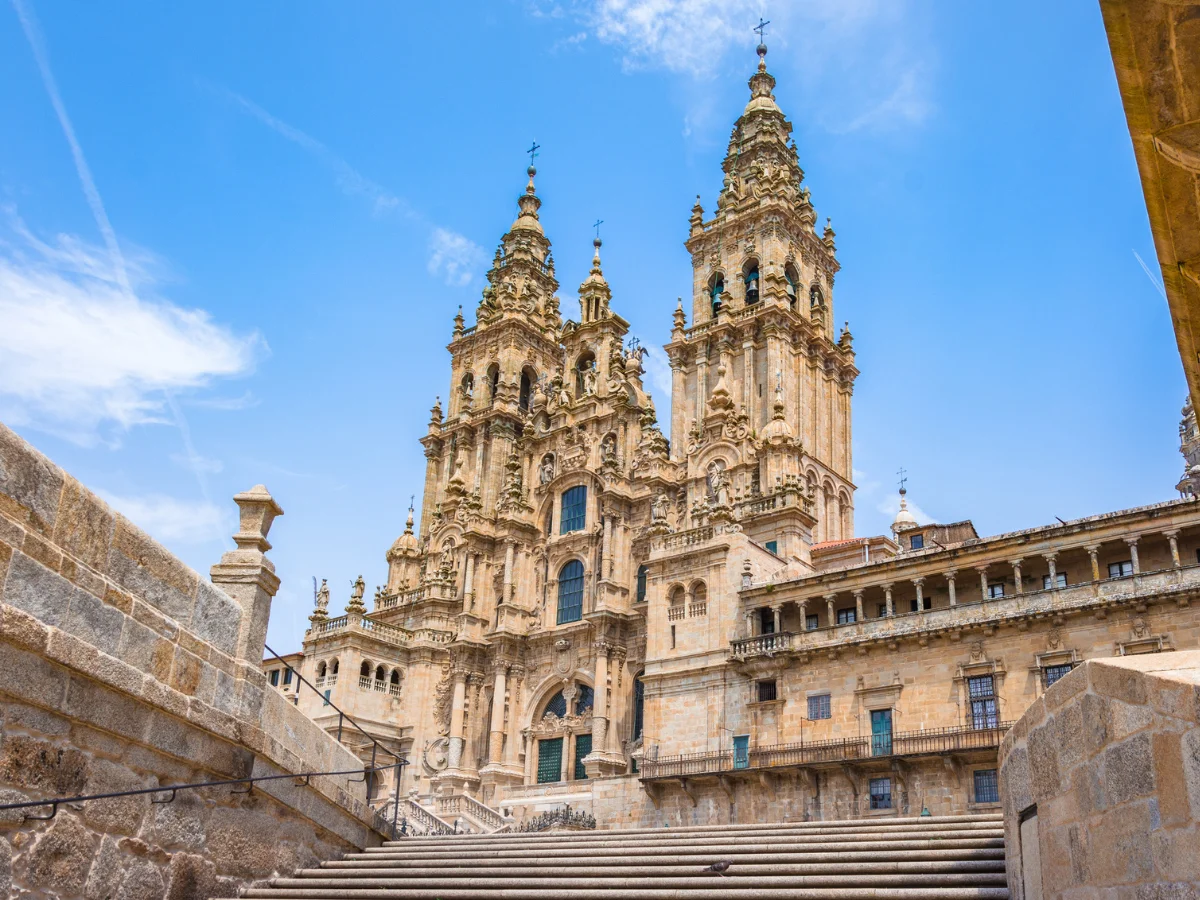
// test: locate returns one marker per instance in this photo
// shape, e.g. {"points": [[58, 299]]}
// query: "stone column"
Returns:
{"points": [[829, 598], [509, 553], [1016, 566], [1094, 554], [600, 698], [678, 389], [606, 549], [469, 580], [496, 737], [457, 713], [616, 673], [245, 573], [983, 583], [858, 605], [701, 381], [748, 374], [950, 584], [803, 604], [887, 599], [750, 623], [515, 708], [1133, 557], [568, 753], [919, 584], [1173, 538], [775, 610], [1050, 558]]}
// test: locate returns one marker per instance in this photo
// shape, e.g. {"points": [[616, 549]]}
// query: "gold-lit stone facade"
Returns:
{"points": [[691, 631]]}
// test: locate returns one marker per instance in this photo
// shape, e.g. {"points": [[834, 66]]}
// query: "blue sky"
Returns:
{"points": [[233, 237]]}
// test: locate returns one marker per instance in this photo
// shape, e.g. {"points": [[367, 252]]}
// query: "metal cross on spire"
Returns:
{"points": [[411, 500], [533, 151], [597, 225], [761, 29], [903, 477]]}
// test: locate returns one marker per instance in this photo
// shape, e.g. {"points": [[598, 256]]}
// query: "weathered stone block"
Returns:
{"points": [[144, 649], [84, 525], [32, 587], [145, 569], [218, 618], [30, 677], [41, 765], [93, 620], [1129, 770], [1118, 683], [191, 877], [62, 855], [30, 485], [106, 709], [179, 825], [105, 876], [19, 627], [143, 881], [119, 815], [43, 551], [1043, 762]]}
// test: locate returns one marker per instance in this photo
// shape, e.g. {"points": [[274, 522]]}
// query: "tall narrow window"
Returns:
{"points": [[274, 678], [715, 289], [526, 389], [881, 793], [984, 712], [751, 281], [815, 298], [570, 592], [766, 620], [641, 583], [987, 786], [639, 706], [790, 277], [583, 746], [819, 707], [767, 691], [574, 509], [550, 752]]}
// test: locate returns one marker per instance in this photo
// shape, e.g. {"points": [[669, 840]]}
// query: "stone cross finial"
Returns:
{"points": [[258, 510]]}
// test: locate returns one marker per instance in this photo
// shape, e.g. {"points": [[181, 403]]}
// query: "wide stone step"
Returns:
{"points": [[848, 826], [839, 858], [634, 870], [679, 840], [726, 889]]}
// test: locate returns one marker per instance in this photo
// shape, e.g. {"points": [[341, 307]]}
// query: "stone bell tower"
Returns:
{"points": [[760, 371]]}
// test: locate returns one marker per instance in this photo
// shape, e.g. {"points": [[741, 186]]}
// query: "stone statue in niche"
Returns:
{"points": [[589, 380], [546, 472], [659, 507]]}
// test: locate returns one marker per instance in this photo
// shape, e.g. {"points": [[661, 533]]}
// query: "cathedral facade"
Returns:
{"points": [[690, 631]]}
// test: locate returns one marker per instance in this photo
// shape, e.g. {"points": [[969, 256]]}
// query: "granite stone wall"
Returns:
{"points": [[1100, 781], [121, 668]]}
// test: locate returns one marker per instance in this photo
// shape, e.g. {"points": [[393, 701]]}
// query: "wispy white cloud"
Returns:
{"points": [[453, 257], [198, 463], [863, 62], [80, 352], [171, 520], [348, 179], [890, 505]]}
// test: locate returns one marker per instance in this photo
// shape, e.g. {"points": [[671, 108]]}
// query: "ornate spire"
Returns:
{"points": [[594, 293], [529, 204]]}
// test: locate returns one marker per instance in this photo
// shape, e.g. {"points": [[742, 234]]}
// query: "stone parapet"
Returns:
{"points": [[1100, 781], [125, 669]]}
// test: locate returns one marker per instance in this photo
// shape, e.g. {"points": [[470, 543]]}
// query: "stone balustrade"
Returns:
{"points": [[1180, 585], [392, 634]]}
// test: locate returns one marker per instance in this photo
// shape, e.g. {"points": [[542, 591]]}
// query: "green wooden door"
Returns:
{"points": [[583, 746], [549, 760], [881, 732]]}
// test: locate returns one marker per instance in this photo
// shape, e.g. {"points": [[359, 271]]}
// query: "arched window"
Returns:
{"points": [[789, 276], [750, 278], [380, 673], [493, 382], [641, 583], [321, 669], [585, 374], [395, 679], [716, 287], [585, 698], [527, 381], [574, 509], [364, 670], [333, 666], [815, 297], [639, 705], [699, 592], [557, 705], [570, 592], [677, 595], [468, 384]]}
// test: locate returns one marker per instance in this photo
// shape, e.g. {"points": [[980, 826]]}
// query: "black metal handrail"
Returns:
{"points": [[302, 779]]}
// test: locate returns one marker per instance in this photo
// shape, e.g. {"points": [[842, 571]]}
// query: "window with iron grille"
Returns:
{"points": [[982, 691], [639, 707], [549, 760], [819, 707], [1060, 581], [987, 788], [766, 691], [846, 616], [1120, 569], [557, 705], [641, 583], [570, 592], [583, 746], [1053, 673], [574, 509], [881, 793]]}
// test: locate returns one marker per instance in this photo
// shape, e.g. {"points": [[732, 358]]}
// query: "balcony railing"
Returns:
{"points": [[931, 742], [1182, 583], [393, 634]]}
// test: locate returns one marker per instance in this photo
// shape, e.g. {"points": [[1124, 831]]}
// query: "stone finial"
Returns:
{"points": [[258, 510], [356, 604]]}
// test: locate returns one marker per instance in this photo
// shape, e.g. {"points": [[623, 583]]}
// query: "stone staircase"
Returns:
{"points": [[949, 857]]}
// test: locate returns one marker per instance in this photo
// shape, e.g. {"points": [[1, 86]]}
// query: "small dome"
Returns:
{"points": [[904, 519], [407, 543]]}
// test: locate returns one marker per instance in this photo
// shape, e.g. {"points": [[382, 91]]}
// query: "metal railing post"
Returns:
{"points": [[396, 800], [371, 774]]}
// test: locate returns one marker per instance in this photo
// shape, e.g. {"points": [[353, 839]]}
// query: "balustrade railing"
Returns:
{"points": [[762, 644], [930, 742], [687, 538]]}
